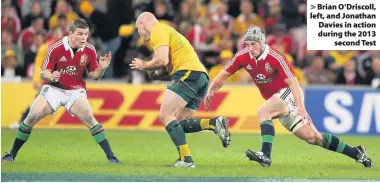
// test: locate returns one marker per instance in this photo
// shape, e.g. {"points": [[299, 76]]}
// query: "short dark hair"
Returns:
{"points": [[78, 23]]}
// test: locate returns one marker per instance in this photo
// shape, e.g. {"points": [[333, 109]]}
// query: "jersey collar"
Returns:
{"points": [[65, 41], [264, 54]]}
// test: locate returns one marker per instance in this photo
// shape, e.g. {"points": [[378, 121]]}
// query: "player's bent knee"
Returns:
{"points": [[31, 119], [166, 119], [180, 118]]}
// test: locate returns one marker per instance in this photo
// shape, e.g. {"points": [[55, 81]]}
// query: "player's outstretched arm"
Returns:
{"points": [[160, 59], [97, 73], [216, 84], [104, 63], [219, 80], [298, 96], [296, 90]]}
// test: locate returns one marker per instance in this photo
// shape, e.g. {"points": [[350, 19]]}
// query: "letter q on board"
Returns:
{"points": [[341, 6]]}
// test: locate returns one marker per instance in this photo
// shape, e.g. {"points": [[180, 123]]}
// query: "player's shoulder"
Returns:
{"points": [[164, 27], [89, 47], [160, 27], [56, 45], [242, 53], [274, 54]]}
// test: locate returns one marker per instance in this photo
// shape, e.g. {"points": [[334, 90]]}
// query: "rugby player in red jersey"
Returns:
{"points": [[62, 71], [274, 77]]}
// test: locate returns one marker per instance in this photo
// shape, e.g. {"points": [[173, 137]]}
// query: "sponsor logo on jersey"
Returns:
{"points": [[70, 70], [248, 67], [260, 79]]}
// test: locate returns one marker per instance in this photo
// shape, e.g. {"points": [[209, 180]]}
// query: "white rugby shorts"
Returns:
{"points": [[292, 121], [58, 97]]}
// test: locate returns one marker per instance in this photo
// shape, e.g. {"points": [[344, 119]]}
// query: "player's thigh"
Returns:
{"points": [[54, 96], [79, 106], [273, 108], [38, 110], [186, 85], [177, 88], [185, 113], [290, 120], [171, 104], [47, 102]]}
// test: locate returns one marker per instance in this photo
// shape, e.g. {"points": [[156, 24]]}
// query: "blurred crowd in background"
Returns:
{"points": [[214, 27]]}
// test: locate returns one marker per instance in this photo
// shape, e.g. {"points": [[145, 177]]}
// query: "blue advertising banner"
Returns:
{"points": [[344, 110]]}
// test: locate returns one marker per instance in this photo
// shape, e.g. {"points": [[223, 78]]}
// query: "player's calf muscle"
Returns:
{"points": [[31, 119], [309, 135]]}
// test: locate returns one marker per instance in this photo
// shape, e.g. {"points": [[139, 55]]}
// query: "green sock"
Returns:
{"points": [[178, 137], [98, 133], [333, 143], [192, 125], [22, 136], [23, 132], [267, 135]]}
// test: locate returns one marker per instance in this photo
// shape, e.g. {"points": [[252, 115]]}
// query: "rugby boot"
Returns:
{"points": [[221, 129], [113, 160], [363, 157], [8, 157], [182, 164], [259, 157]]}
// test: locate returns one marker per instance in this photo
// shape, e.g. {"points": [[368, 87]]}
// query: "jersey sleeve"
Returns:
{"points": [[160, 37], [233, 65], [285, 70], [50, 59], [93, 63]]}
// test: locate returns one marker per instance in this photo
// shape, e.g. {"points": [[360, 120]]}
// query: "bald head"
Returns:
{"points": [[145, 23], [146, 17]]}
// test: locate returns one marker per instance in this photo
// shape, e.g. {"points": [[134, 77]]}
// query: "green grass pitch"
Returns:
{"points": [[73, 155]]}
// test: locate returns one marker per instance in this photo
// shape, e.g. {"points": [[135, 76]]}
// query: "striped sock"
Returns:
{"points": [[22, 136], [98, 133], [333, 143], [267, 135]]}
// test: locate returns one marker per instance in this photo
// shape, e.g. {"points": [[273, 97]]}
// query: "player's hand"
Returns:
{"points": [[208, 99], [138, 64], [56, 76], [302, 112], [104, 61]]}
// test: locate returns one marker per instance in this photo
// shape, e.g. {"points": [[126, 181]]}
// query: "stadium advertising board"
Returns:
{"points": [[121, 106], [344, 111]]}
